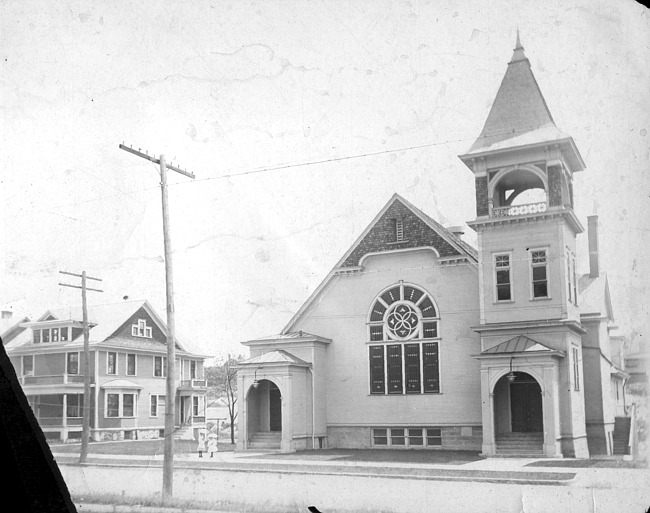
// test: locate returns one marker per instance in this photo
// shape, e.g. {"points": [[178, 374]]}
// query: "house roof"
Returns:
{"points": [[278, 356], [461, 247], [519, 344], [594, 298], [105, 320]]}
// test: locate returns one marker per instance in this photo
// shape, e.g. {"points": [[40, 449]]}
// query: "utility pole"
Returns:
{"points": [[85, 425], [170, 403]]}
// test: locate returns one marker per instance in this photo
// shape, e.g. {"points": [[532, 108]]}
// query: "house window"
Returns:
{"points": [[111, 363], [63, 334], [159, 366], [539, 273], [576, 369], [55, 335], [130, 364], [46, 335], [195, 406], [140, 329], [397, 436], [75, 404], [192, 369], [128, 405], [156, 402], [402, 317], [72, 363], [37, 336], [502, 277], [112, 405], [28, 365]]}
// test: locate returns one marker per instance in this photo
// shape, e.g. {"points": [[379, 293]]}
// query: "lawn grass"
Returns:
{"points": [[380, 455], [135, 447], [590, 463]]}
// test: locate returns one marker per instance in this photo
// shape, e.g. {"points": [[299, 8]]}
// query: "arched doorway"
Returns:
{"points": [[518, 404], [264, 415], [518, 414]]}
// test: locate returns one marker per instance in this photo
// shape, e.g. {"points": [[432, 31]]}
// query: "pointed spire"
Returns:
{"points": [[518, 54]]}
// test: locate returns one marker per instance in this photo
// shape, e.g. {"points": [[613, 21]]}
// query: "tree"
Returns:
{"points": [[222, 382]]}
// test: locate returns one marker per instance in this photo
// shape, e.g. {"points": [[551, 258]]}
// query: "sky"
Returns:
{"points": [[299, 119]]}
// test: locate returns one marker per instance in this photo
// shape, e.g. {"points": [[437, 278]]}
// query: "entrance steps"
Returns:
{"points": [[521, 445], [622, 435], [265, 440]]}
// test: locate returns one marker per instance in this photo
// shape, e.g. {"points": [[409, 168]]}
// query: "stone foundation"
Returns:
{"points": [[465, 438]]}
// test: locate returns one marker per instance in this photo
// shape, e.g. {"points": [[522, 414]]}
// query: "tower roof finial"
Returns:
{"points": [[518, 54], [518, 43]]}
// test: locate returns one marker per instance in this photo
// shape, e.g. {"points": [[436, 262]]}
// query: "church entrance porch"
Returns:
{"points": [[520, 399]]}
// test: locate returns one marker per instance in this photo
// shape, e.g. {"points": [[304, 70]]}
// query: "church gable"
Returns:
{"points": [[399, 227]]}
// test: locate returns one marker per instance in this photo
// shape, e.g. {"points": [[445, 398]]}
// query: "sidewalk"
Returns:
{"points": [[495, 470]]}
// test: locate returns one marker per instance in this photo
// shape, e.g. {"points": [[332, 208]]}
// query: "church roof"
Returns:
{"points": [[519, 114], [519, 344]]}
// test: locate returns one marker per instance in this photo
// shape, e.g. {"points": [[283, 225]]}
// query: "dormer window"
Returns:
{"points": [[141, 329]]}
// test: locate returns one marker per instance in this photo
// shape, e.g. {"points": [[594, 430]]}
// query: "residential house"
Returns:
{"points": [[417, 340], [128, 367]]}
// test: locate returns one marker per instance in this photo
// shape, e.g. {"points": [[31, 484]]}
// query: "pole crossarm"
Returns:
{"points": [[78, 287], [80, 276], [155, 160]]}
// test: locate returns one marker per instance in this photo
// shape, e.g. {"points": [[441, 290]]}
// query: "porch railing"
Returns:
{"points": [[62, 379], [59, 421], [519, 210], [193, 383]]}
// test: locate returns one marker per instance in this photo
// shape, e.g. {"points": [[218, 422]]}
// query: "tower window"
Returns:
{"points": [[503, 277], [539, 273]]}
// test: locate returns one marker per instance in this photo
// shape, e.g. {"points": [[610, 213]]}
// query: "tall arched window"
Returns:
{"points": [[403, 347]]}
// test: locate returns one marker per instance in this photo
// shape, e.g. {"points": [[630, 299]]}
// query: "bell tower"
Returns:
{"points": [[526, 228]]}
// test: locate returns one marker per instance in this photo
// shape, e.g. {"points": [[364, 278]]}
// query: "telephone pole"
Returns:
{"points": [[170, 406], [85, 425]]}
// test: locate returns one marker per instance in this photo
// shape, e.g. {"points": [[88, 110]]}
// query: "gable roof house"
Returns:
{"points": [[128, 367], [417, 340]]}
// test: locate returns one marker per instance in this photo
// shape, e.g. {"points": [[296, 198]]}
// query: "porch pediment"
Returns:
{"points": [[273, 358], [520, 344]]}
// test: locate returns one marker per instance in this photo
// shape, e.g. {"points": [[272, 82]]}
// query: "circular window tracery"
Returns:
{"points": [[402, 321], [403, 312]]}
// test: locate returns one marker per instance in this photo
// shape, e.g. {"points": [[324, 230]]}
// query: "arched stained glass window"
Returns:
{"points": [[403, 352]]}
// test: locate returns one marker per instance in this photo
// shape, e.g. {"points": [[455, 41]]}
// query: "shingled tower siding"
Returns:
{"points": [[381, 236], [482, 205], [555, 186]]}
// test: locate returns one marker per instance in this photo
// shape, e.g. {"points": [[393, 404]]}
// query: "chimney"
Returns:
{"points": [[592, 233], [458, 231], [7, 314]]}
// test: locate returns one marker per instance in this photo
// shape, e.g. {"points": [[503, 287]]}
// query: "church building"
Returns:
{"points": [[417, 340]]}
